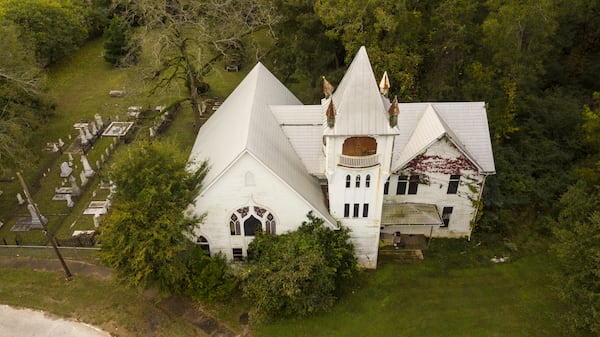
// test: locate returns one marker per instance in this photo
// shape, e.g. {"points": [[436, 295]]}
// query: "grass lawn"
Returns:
{"points": [[440, 297], [106, 304]]}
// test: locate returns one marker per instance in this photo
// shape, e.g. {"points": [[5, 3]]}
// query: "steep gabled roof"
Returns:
{"points": [[465, 124], [245, 123], [358, 103]]}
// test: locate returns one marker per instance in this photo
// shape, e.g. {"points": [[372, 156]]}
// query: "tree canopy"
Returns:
{"points": [[298, 273], [145, 236]]}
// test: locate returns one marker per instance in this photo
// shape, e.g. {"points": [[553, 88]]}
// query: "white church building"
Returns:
{"points": [[358, 159]]}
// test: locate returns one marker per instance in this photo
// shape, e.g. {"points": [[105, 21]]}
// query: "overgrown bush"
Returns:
{"points": [[298, 273]]}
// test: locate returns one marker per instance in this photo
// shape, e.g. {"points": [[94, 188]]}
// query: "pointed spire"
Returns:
{"points": [[330, 113], [384, 85], [394, 111], [327, 88]]}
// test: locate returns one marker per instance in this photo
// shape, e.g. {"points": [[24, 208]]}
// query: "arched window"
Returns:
{"points": [[270, 224], [254, 219], [348, 180], [358, 181], [251, 226], [234, 225], [368, 181], [203, 244]]}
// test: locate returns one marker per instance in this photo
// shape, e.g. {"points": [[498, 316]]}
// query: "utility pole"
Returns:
{"points": [[50, 236]]}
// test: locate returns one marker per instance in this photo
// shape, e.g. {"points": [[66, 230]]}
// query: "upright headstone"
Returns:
{"points": [[75, 190], [60, 142], [98, 165], [70, 157], [107, 151], [20, 199], [87, 133], [87, 169], [112, 145], [94, 128], [151, 132], [96, 220], [70, 202], [55, 147], [102, 158], [99, 121], [35, 220], [83, 178], [69, 136], [65, 169], [82, 136]]}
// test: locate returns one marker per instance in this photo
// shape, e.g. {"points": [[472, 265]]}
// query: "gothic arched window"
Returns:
{"points": [[358, 181], [368, 181], [348, 181]]}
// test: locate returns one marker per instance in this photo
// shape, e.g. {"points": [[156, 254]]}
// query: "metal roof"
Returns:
{"points": [[245, 123], [465, 123], [410, 214], [359, 106]]}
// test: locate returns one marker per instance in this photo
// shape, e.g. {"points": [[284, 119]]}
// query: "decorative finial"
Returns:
{"points": [[327, 88], [330, 113], [394, 111], [384, 85]]}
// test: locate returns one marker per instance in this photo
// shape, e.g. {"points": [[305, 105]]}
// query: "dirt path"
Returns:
{"points": [[174, 306]]}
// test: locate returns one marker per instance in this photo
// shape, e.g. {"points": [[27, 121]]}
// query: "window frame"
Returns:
{"points": [[356, 211], [453, 184], [446, 214]]}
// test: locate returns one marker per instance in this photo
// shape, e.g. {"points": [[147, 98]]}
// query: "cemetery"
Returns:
{"points": [[72, 191]]}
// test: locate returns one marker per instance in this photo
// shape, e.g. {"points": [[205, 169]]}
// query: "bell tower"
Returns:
{"points": [[358, 140]]}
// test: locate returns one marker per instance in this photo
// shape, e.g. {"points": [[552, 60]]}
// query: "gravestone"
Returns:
{"points": [[87, 133], [151, 132], [70, 157], [98, 165], [20, 199], [99, 121], [55, 147], [83, 178], [107, 151], [65, 169], [69, 200], [87, 168], [82, 136], [94, 128], [75, 190], [60, 142], [36, 222], [102, 158], [96, 220]]}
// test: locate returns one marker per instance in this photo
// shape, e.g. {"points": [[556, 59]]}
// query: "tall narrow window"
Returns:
{"points": [[413, 184], [401, 186], [234, 225], [453, 184], [386, 186], [368, 181], [358, 181], [365, 210], [346, 210], [203, 244], [348, 180], [446, 213], [356, 208]]}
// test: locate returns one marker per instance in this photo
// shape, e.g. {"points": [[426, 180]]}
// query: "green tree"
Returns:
{"points": [[22, 102], [55, 28], [190, 36], [119, 47], [577, 245], [145, 236], [297, 273], [391, 32]]}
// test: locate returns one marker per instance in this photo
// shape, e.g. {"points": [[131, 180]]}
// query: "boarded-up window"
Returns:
{"points": [[359, 146]]}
